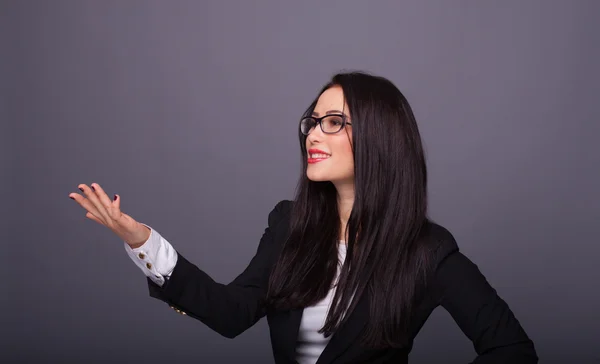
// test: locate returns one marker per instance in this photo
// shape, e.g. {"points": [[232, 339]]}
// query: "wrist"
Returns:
{"points": [[141, 237]]}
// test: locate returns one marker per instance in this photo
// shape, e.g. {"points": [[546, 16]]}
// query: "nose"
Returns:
{"points": [[315, 134]]}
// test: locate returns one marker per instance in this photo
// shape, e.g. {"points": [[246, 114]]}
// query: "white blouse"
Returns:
{"points": [[157, 259], [310, 343]]}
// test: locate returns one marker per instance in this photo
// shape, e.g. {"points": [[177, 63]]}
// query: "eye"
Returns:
{"points": [[335, 120]]}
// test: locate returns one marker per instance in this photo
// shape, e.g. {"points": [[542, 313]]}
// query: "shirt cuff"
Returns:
{"points": [[156, 257]]}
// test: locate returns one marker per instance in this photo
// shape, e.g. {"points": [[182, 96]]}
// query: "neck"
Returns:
{"points": [[345, 201]]}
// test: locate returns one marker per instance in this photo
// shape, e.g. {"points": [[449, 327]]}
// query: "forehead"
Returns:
{"points": [[331, 99]]}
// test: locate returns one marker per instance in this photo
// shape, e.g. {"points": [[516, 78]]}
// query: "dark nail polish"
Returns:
{"points": [[93, 189], [115, 198], [81, 189], [71, 197]]}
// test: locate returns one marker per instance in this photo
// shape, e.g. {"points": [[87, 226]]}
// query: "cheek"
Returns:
{"points": [[346, 150], [348, 144]]}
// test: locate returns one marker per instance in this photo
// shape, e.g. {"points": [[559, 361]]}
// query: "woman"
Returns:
{"points": [[349, 271]]}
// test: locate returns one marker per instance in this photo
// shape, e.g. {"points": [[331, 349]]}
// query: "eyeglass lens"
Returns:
{"points": [[329, 124]]}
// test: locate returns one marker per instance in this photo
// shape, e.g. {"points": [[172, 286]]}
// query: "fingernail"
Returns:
{"points": [[71, 197], [93, 189], [115, 198], [81, 189]]}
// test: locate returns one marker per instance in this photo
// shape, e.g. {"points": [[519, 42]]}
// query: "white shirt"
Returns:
{"points": [[310, 343], [157, 259]]}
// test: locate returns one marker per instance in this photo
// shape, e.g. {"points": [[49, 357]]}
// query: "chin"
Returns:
{"points": [[317, 178], [323, 178]]}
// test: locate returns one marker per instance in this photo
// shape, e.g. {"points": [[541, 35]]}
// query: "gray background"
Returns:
{"points": [[189, 110]]}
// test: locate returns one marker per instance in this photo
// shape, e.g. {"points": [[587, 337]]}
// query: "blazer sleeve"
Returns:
{"points": [[481, 314], [228, 309]]}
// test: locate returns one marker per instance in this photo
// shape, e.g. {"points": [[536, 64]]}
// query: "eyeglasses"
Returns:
{"points": [[330, 124]]}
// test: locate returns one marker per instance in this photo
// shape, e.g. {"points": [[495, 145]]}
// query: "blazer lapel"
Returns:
{"points": [[285, 326], [346, 335]]}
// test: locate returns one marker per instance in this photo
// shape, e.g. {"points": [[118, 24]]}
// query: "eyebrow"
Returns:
{"points": [[316, 114]]}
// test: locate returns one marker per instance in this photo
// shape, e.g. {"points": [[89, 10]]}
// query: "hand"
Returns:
{"points": [[108, 213]]}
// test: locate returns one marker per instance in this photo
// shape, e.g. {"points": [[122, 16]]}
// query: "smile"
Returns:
{"points": [[315, 158], [317, 155]]}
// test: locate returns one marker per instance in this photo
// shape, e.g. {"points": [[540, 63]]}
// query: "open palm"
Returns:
{"points": [[108, 213]]}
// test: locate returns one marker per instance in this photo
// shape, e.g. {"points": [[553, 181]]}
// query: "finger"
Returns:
{"points": [[113, 212], [91, 216], [102, 195], [85, 203], [117, 202], [93, 198]]}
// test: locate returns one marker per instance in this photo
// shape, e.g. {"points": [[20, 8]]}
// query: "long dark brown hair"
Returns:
{"points": [[388, 218]]}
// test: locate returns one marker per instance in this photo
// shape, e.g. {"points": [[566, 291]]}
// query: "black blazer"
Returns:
{"points": [[459, 287]]}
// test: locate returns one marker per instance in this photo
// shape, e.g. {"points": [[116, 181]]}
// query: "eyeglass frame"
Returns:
{"points": [[318, 122]]}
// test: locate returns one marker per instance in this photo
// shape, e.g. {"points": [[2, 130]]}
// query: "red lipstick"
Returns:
{"points": [[316, 159]]}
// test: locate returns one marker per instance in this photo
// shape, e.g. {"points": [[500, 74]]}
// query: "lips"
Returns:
{"points": [[317, 155], [316, 160]]}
